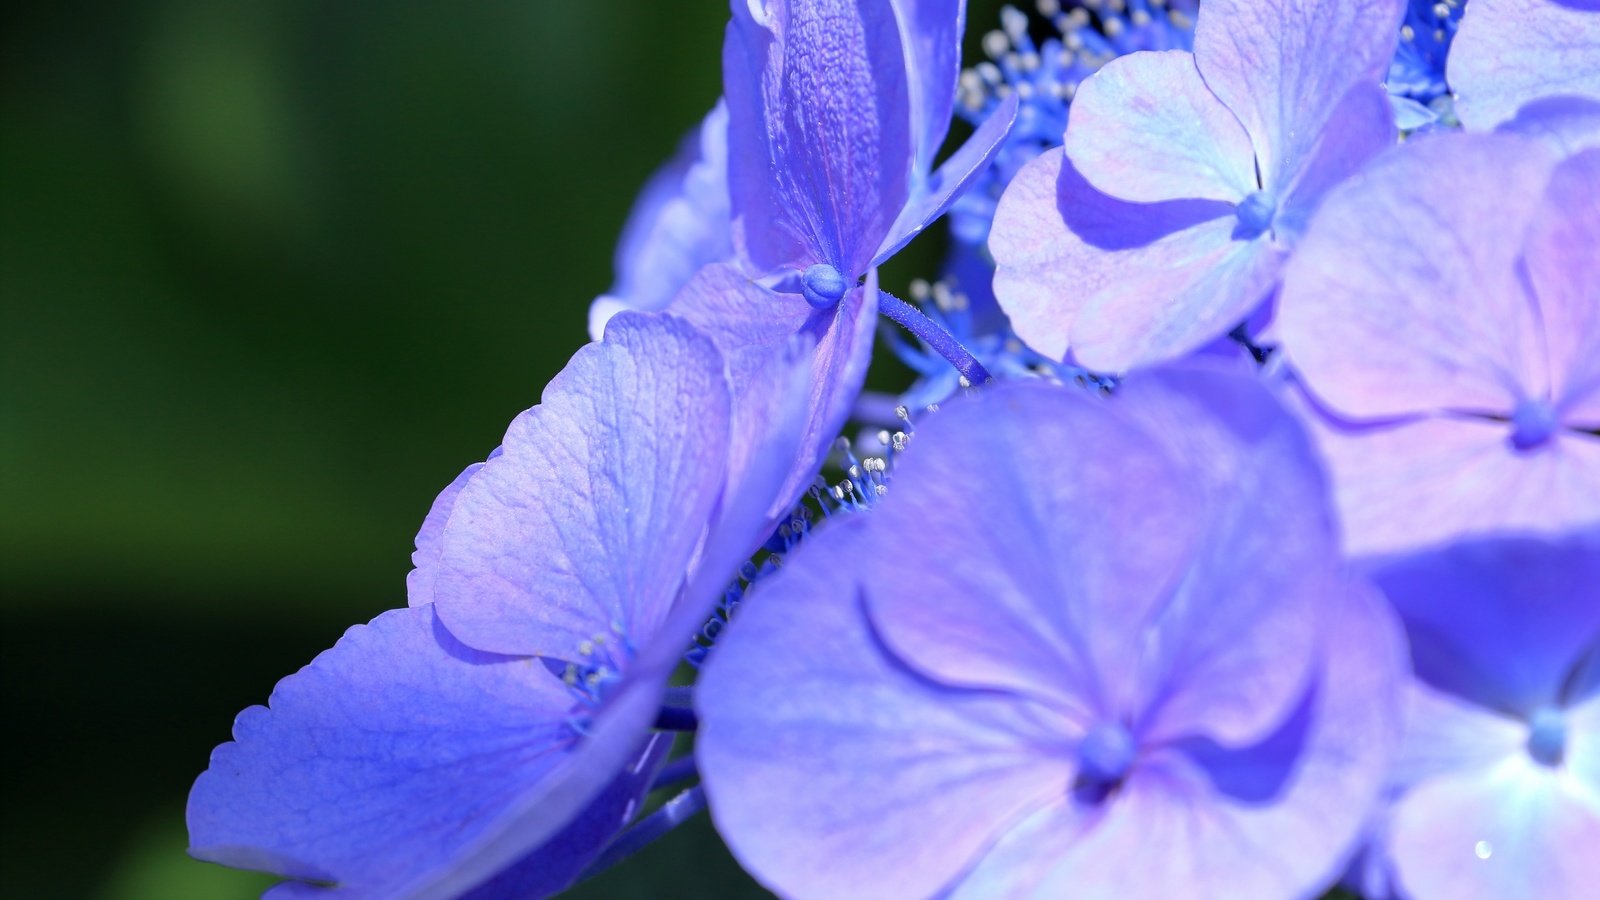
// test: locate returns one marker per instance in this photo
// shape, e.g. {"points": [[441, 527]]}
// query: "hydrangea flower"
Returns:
{"points": [[1082, 647], [496, 734], [1449, 338], [1416, 81], [1508, 53], [1185, 179], [1500, 770]]}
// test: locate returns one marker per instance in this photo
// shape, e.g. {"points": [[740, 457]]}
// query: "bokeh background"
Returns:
{"points": [[271, 274]]}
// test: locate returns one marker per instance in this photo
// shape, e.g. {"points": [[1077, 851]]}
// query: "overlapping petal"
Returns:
{"points": [[931, 31], [1563, 269], [1508, 53]]}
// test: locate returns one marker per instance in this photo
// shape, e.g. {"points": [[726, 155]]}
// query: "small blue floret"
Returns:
{"points": [[1533, 423], [1255, 214], [1547, 736], [1106, 754], [823, 286]]}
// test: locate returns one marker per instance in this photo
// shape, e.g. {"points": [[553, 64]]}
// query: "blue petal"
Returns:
{"points": [[819, 130], [931, 32], [425, 559], [587, 523], [401, 762]]}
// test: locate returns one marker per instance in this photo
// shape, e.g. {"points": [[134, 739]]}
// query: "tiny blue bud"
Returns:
{"points": [[1532, 423], [823, 286], [1547, 736], [1255, 214], [1106, 754]]}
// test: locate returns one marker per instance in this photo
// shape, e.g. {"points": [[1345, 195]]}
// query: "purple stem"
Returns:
{"points": [[913, 320], [645, 832]]}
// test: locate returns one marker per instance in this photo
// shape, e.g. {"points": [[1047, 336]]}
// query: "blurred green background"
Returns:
{"points": [[270, 275]]}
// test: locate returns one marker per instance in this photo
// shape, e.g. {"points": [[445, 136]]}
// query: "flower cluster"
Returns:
{"points": [[1238, 536]]}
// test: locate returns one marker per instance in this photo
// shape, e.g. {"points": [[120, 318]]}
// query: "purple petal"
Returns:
{"points": [[1516, 830], [751, 324], [1446, 733], [1057, 242], [403, 762], [1145, 129], [1182, 606], [1405, 297], [679, 224], [1360, 128], [1507, 53], [429, 542], [1282, 65], [1501, 622], [1202, 822], [1411, 484], [1192, 287], [952, 180], [819, 127], [1567, 124], [832, 770], [587, 522], [1563, 265], [931, 33]]}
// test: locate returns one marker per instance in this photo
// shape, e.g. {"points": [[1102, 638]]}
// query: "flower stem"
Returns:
{"points": [[645, 832], [913, 320]]}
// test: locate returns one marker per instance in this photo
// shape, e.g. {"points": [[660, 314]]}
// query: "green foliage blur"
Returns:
{"points": [[271, 274]]}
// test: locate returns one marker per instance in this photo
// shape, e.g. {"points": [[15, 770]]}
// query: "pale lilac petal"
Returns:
{"points": [[931, 33], [1507, 53], [1583, 729], [679, 224], [951, 181], [1568, 124], [1057, 242], [819, 122], [1447, 734], [1190, 289], [403, 762], [1562, 254], [1145, 129], [1412, 484], [1270, 821], [1360, 128], [831, 769], [1519, 829], [429, 541], [1282, 65], [750, 324], [1183, 606], [1405, 297], [587, 522], [1500, 622]]}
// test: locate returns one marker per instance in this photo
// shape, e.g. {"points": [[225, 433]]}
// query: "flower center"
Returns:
{"points": [[1532, 423], [1255, 214], [823, 286], [1106, 754], [1547, 736]]}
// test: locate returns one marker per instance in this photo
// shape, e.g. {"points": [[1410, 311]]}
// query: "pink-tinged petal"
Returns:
{"points": [[1281, 66], [1501, 622], [750, 324], [951, 181], [679, 224], [1519, 829], [931, 32], [403, 763], [587, 522], [1191, 288], [819, 124], [429, 542], [1507, 53], [1145, 129], [1048, 583], [1404, 297], [1057, 242], [1361, 127], [1412, 484], [1562, 255], [1275, 820], [831, 769]]}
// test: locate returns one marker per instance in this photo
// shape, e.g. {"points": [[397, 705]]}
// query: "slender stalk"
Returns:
{"points": [[675, 772], [913, 320], [645, 832]]}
